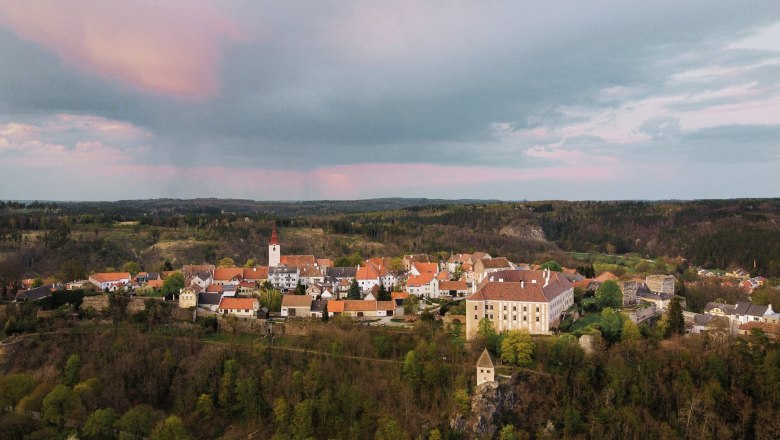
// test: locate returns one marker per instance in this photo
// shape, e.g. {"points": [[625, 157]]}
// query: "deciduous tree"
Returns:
{"points": [[517, 348]]}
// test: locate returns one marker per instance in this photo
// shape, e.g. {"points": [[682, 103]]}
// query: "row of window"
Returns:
{"points": [[514, 308], [514, 317]]}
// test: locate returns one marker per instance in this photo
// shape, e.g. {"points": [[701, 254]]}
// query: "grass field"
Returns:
{"points": [[585, 321]]}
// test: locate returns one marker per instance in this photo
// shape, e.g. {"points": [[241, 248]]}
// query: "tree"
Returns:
{"points": [[172, 284], [13, 388], [609, 295], [172, 428], [61, 405], [675, 321], [132, 267], [137, 422], [100, 425], [383, 294], [325, 316], [410, 304], [552, 265], [250, 263], [299, 289], [517, 348], [301, 424], [630, 331], [70, 374], [389, 429], [611, 324], [37, 282], [204, 407], [487, 331], [226, 262], [354, 290], [72, 270]]}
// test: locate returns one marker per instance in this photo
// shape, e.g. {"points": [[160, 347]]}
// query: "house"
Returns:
{"points": [[188, 298], [453, 288], [424, 269], [318, 308], [425, 285], [245, 287], [487, 266], [191, 270], [367, 276], [109, 280], [532, 300], [202, 279], [35, 294], [284, 278], [335, 308], [296, 305], [256, 274], [456, 261], [660, 284], [751, 284], [606, 276], [770, 330], [155, 284], [414, 258], [209, 300], [228, 275], [239, 307], [367, 308], [486, 371], [341, 273], [311, 274], [745, 312]]}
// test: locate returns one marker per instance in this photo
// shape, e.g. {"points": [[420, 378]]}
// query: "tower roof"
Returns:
{"points": [[484, 360], [274, 237]]}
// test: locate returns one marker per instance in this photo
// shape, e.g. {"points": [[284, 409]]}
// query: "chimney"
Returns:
{"points": [[491, 278], [522, 284], [500, 280]]}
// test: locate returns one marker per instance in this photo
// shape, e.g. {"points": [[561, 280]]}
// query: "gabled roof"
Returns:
{"points": [[367, 272], [210, 298], [385, 305], [110, 277], [399, 295], [35, 294], [311, 271], [443, 276], [420, 280], [522, 285], [423, 268], [336, 306], [766, 327], [155, 284], [496, 263], [319, 306], [324, 262], [237, 303], [298, 260], [228, 273], [453, 285], [748, 309], [190, 270], [359, 305], [296, 301], [256, 273], [341, 272], [606, 276], [484, 360], [215, 288]]}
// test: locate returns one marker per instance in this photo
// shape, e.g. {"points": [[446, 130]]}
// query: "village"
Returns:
{"points": [[468, 289]]}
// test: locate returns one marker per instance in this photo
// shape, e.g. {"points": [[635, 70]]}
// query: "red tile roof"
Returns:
{"points": [[256, 273], [453, 285], [298, 260], [336, 306], [228, 273], [214, 288], [367, 272], [296, 301], [237, 304], [419, 280], [399, 295], [274, 237], [108, 277], [423, 268], [359, 305]]}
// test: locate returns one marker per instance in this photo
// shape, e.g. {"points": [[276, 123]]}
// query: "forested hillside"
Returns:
{"points": [[50, 239]]}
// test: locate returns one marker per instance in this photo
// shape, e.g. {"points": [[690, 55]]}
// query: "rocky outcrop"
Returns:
{"points": [[487, 404]]}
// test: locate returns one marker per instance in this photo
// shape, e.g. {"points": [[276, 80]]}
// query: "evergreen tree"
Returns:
{"points": [[325, 316], [299, 289], [675, 321], [70, 375], [383, 294], [354, 290]]}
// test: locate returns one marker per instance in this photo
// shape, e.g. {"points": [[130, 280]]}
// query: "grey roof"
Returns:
{"points": [[702, 319], [281, 270], [341, 272], [209, 298], [747, 309], [34, 294], [728, 309], [318, 305], [644, 292]]}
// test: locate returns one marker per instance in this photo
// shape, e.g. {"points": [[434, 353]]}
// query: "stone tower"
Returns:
{"points": [[274, 250], [486, 371]]}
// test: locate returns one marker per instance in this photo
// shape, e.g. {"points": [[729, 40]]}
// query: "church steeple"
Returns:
{"points": [[274, 249]]}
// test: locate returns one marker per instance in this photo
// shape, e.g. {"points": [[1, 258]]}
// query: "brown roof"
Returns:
{"points": [[385, 305], [324, 262], [359, 305], [484, 360], [190, 270], [298, 260], [311, 271], [107, 277], [214, 288], [426, 267], [237, 304], [155, 284], [606, 276], [256, 273], [227, 273], [452, 285], [496, 263], [521, 285], [296, 301], [766, 327], [367, 272]]}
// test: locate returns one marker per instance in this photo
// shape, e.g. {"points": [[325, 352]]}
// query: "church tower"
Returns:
{"points": [[274, 250]]}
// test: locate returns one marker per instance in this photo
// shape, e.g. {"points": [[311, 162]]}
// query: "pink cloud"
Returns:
{"points": [[161, 47]]}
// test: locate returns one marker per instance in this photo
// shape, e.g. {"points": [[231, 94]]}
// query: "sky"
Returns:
{"points": [[306, 100]]}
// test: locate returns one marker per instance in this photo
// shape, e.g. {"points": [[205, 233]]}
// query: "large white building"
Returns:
{"points": [[532, 300]]}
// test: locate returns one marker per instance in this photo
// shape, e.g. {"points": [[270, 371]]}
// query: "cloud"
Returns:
{"points": [[153, 46]]}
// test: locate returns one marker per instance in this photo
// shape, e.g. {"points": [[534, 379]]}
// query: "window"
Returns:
{"points": [[537, 319], [475, 307], [505, 308], [475, 316], [525, 309], [525, 318], [481, 371], [514, 308], [491, 316], [537, 309]]}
